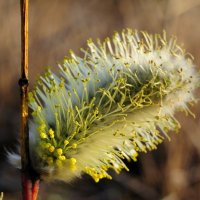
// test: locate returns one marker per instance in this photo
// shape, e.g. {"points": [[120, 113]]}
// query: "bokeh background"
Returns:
{"points": [[170, 173]]}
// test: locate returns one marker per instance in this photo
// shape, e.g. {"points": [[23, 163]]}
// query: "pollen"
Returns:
{"points": [[74, 146], [62, 158], [41, 128], [31, 97], [51, 149], [43, 135], [39, 109], [59, 151], [66, 142], [51, 133], [62, 84], [72, 164], [73, 161], [47, 145]]}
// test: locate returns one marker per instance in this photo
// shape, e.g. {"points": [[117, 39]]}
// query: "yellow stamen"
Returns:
{"points": [[51, 149], [43, 135], [66, 142], [73, 161], [74, 146], [62, 158], [59, 151], [51, 133]]}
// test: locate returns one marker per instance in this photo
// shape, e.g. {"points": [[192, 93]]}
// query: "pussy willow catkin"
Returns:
{"points": [[116, 101]]}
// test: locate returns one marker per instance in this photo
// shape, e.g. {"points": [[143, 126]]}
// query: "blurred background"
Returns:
{"points": [[55, 26]]}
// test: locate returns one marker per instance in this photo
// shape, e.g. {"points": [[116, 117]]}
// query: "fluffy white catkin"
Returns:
{"points": [[116, 101]]}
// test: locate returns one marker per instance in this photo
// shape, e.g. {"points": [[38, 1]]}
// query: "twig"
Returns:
{"points": [[30, 182], [35, 189]]}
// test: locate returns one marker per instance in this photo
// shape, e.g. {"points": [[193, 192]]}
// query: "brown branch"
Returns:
{"points": [[23, 83], [30, 181]]}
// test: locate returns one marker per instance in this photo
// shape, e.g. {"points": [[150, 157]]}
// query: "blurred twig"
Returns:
{"points": [[23, 82], [30, 183]]}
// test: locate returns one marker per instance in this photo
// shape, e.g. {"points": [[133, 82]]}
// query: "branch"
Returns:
{"points": [[29, 180]]}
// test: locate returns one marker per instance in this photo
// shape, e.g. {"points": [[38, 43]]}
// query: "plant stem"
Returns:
{"points": [[29, 180], [35, 189], [27, 187]]}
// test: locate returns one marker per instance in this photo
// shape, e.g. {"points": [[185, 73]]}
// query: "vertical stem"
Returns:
{"points": [[29, 180], [23, 83], [35, 189], [26, 187]]}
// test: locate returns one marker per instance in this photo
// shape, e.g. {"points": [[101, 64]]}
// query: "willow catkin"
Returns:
{"points": [[116, 101]]}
